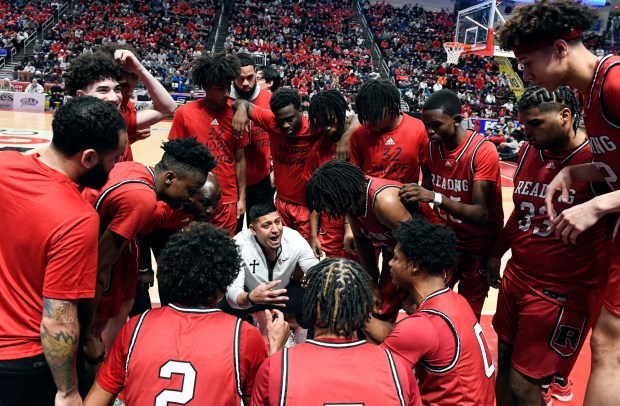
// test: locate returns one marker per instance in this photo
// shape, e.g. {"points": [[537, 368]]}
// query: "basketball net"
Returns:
{"points": [[454, 51]]}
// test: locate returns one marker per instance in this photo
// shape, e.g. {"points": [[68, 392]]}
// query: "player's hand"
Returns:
{"points": [[315, 244], [561, 183], [378, 299], [93, 349], [413, 193], [240, 121], [492, 268], [278, 330], [343, 149], [240, 208], [67, 399], [572, 222], [143, 134], [128, 61], [146, 278], [348, 241], [264, 294]]}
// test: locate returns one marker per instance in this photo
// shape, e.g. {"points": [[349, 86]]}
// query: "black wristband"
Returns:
{"points": [[250, 300]]}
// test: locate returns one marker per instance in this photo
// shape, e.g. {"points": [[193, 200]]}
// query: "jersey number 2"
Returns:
{"points": [[186, 393]]}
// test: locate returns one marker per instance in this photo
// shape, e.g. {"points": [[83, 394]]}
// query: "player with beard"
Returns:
{"points": [[210, 121], [48, 251], [257, 153], [126, 204]]}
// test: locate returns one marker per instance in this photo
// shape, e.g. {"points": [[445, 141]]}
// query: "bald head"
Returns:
{"points": [[206, 199]]}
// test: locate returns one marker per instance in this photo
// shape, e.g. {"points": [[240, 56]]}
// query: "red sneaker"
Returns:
{"points": [[546, 395], [561, 393]]}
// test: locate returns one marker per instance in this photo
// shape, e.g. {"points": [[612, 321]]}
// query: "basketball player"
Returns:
{"points": [[546, 38], [209, 120], [373, 211], [466, 191], [48, 252], [257, 152], [335, 367], [126, 204], [188, 350], [547, 300], [442, 339]]}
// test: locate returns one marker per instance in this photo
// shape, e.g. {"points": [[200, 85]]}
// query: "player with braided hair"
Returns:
{"points": [[338, 301], [195, 267], [548, 295], [547, 39], [373, 211], [465, 191], [125, 205]]}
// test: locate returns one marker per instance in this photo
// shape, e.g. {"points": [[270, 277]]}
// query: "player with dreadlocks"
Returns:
{"points": [[328, 115], [338, 301], [547, 40], [442, 339], [373, 210], [209, 120], [545, 278], [466, 191]]}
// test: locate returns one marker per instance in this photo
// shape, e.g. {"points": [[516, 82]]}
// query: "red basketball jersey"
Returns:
{"points": [[604, 130], [395, 155], [454, 173], [335, 372], [172, 354], [537, 257], [258, 152], [130, 116]]}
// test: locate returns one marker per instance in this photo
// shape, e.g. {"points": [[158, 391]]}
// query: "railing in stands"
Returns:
{"points": [[46, 24], [12, 52], [2, 62], [29, 40], [217, 32], [370, 42]]}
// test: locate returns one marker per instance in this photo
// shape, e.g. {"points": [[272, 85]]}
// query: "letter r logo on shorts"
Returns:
{"points": [[566, 336]]}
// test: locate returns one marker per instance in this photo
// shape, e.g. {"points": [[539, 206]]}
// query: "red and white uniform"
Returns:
{"points": [[395, 155], [171, 355], [48, 248], [130, 115], [447, 347], [602, 120], [549, 289], [125, 204], [214, 130], [320, 371], [289, 161], [258, 151], [453, 175]]}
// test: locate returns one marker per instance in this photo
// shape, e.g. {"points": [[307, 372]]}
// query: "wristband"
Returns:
{"points": [[437, 199], [250, 300], [146, 270]]}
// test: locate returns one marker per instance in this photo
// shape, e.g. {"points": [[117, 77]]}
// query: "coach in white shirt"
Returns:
{"points": [[271, 256]]}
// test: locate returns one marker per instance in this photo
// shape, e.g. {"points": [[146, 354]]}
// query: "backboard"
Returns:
{"points": [[475, 26]]}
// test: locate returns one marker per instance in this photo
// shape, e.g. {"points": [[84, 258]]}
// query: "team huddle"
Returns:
{"points": [[287, 245]]}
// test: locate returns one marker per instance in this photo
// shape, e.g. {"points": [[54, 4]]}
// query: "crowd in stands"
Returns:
{"points": [[315, 46], [19, 19]]}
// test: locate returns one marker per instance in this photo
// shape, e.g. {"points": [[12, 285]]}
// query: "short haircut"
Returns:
{"points": [[546, 101], [331, 104], [91, 68], [375, 98], [86, 123], [338, 297], [197, 264], [545, 20], [445, 100], [432, 246], [284, 97], [259, 210], [246, 59], [335, 188], [271, 75], [186, 155], [214, 69]]}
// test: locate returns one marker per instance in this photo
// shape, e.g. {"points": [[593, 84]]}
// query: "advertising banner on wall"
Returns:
{"points": [[29, 102]]}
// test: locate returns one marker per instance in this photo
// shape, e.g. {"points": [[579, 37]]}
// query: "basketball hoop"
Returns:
{"points": [[454, 50]]}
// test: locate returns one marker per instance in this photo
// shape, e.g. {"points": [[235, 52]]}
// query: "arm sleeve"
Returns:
{"points": [[71, 270], [254, 353], [611, 94], [486, 163], [178, 125], [412, 339], [132, 210], [111, 376]]}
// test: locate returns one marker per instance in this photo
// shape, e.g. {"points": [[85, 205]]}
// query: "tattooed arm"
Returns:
{"points": [[60, 331]]}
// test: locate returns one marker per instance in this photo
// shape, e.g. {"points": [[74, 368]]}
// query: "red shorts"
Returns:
{"points": [[473, 285], [546, 334], [121, 285], [225, 217], [611, 298], [331, 236], [295, 216]]}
